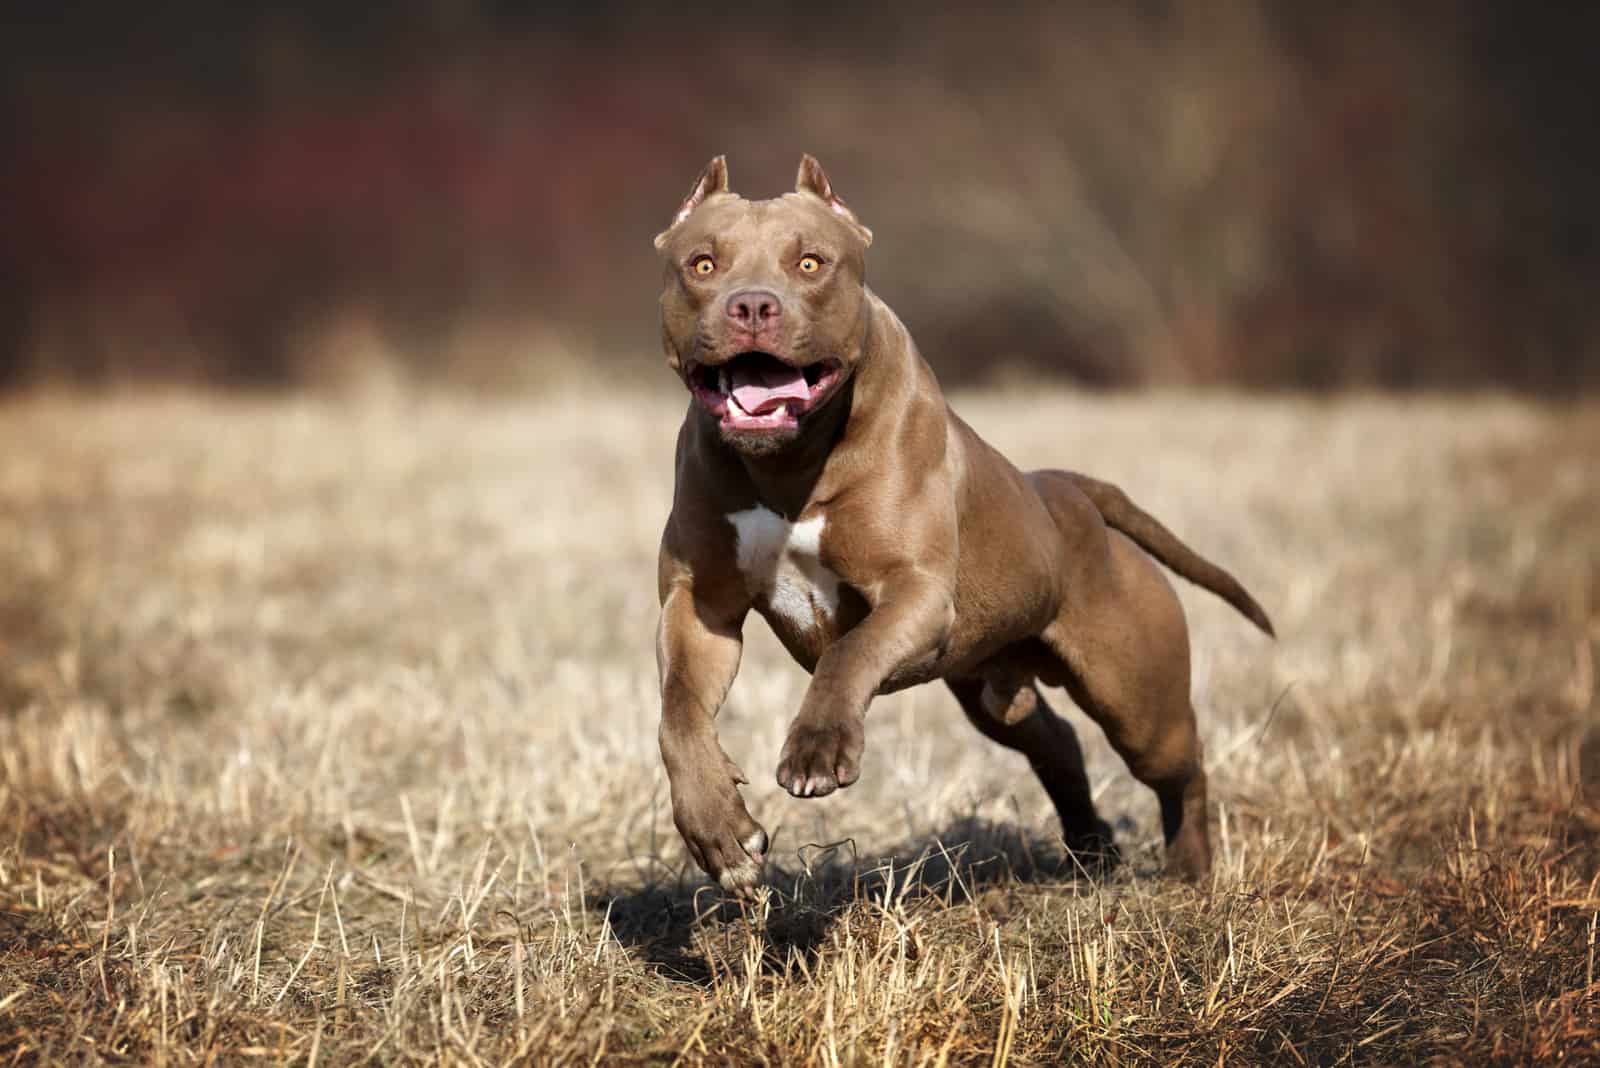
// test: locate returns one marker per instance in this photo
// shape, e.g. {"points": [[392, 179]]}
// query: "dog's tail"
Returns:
{"points": [[1147, 532]]}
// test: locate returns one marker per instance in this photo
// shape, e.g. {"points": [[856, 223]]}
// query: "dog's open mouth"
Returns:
{"points": [[759, 391]]}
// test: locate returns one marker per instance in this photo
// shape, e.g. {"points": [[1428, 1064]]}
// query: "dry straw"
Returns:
{"points": [[328, 738]]}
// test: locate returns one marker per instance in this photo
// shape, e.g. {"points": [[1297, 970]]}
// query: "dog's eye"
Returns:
{"points": [[810, 264], [703, 265]]}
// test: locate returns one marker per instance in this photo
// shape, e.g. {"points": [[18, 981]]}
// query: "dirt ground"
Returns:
{"points": [[327, 731]]}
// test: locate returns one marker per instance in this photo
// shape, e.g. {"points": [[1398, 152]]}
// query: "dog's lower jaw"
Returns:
{"points": [[763, 443], [815, 429]]}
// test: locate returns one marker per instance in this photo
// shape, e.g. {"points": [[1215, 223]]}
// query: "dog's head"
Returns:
{"points": [[764, 310]]}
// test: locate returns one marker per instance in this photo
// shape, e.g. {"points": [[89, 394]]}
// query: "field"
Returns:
{"points": [[327, 732]]}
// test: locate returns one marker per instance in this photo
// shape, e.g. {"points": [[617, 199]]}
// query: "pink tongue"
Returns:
{"points": [[762, 388]]}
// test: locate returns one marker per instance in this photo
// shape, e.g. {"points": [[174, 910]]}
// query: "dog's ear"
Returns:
{"points": [[814, 180], [712, 180]]}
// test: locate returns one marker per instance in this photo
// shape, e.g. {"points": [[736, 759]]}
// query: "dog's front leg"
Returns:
{"points": [[698, 656], [908, 625]]}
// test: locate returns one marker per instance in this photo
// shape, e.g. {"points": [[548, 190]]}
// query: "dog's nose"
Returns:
{"points": [[754, 308]]}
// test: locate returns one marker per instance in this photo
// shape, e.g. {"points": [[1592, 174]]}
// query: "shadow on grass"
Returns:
{"points": [[675, 926]]}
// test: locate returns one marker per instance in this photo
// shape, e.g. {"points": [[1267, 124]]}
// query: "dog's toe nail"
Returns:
{"points": [[740, 881]]}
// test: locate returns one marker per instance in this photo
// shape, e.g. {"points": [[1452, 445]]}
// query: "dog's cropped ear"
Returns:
{"points": [[814, 180], [714, 179]]}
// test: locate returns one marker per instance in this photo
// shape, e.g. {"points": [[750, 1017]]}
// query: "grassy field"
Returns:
{"points": [[327, 731]]}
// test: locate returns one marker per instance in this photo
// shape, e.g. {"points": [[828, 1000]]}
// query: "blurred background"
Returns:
{"points": [[464, 192]]}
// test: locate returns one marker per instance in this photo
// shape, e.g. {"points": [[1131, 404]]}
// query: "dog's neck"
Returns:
{"points": [[786, 481]]}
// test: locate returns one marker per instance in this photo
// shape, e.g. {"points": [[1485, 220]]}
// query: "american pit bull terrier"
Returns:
{"points": [[823, 481]]}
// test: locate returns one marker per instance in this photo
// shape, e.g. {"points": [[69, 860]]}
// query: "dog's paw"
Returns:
{"points": [[1093, 847], [820, 758], [723, 838]]}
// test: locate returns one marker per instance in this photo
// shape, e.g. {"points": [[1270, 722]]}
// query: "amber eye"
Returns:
{"points": [[703, 265], [810, 264]]}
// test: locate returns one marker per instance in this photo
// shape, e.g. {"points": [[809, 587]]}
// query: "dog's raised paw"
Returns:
{"points": [[820, 758]]}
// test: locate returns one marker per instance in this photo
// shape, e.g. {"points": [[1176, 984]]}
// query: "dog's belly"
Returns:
{"points": [[805, 604]]}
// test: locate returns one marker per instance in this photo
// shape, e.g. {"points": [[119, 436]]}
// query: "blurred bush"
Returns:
{"points": [[1247, 192]]}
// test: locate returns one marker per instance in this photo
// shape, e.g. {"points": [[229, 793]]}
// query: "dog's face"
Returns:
{"points": [[763, 310]]}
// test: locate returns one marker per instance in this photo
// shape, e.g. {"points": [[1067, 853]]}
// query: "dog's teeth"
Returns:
{"points": [[722, 380]]}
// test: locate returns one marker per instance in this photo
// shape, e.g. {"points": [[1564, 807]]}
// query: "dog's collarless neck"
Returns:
{"points": [[786, 482]]}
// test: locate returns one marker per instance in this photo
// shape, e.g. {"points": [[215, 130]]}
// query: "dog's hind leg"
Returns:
{"points": [[1120, 646], [1124, 646], [1051, 746]]}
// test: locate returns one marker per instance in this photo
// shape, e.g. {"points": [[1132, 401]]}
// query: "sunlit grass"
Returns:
{"points": [[328, 730]]}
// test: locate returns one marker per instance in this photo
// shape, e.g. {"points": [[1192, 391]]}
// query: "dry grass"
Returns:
{"points": [[328, 732]]}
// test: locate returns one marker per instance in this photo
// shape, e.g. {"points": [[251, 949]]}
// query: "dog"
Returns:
{"points": [[822, 480]]}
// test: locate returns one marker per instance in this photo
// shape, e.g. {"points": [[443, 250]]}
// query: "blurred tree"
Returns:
{"points": [[1213, 192]]}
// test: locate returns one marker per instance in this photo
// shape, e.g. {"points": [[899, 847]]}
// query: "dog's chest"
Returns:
{"points": [[782, 567]]}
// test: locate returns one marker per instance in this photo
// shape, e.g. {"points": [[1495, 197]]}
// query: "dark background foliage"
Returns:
{"points": [[1250, 192]]}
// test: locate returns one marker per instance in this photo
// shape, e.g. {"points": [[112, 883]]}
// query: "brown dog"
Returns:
{"points": [[823, 481]]}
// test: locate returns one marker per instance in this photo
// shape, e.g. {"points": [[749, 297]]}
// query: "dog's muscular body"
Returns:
{"points": [[823, 481]]}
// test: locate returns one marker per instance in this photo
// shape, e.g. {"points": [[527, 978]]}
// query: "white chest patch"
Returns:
{"points": [[782, 561]]}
